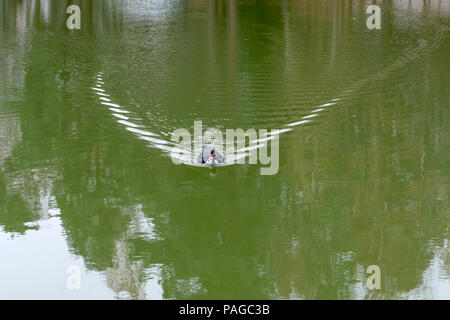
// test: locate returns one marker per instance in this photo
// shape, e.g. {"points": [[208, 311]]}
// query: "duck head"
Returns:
{"points": [[212, 157]]}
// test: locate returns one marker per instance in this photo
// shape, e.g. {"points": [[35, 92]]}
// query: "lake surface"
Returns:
{"points": [[87, 183]]}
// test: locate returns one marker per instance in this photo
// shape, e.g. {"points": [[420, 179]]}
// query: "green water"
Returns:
{"points": [[364, 182]]}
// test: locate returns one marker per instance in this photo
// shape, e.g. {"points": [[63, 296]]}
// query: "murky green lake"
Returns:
{"points": [[88, 187]]}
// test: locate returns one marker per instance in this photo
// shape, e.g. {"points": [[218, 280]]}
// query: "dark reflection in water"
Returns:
{"points": [[364, 183]]}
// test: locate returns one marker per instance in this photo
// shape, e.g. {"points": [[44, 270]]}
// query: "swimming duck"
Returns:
{"points": [[210, 156]]}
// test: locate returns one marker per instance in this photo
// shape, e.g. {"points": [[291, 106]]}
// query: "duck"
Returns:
{"points": [[210, 156]]}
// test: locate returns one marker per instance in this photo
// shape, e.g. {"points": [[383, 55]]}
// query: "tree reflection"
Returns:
{"points": [[364, 187]]}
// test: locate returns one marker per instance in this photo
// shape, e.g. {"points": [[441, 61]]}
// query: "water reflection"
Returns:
{"points": [[363, 177]]}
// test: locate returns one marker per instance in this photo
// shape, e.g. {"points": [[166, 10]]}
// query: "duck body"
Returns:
{"points": [[210, 156]]}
